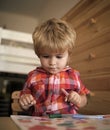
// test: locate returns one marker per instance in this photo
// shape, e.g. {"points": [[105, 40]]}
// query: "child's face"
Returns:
{"points": [[54, 62]]}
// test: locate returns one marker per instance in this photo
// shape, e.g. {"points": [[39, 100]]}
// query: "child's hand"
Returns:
{"points": [[27, 100], [72, 97]]}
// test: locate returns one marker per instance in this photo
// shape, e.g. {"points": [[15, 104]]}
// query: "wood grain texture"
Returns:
{"points": [[91, 55], [98, 104]]}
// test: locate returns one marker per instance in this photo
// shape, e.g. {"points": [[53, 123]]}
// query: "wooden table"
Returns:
{"points": [[7, 124]]}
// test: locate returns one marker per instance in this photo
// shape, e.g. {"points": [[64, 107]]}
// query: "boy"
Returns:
{"points": [[54, 87]]}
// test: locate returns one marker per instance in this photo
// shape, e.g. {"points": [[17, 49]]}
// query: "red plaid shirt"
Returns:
{"points": [[46, 89]]}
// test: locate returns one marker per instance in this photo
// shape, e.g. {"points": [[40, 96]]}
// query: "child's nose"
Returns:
{"points": [[53, 61]]}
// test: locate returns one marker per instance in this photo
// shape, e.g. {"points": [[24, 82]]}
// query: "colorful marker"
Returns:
{"points": [[60, 115], [80, 116], [65, 93]]}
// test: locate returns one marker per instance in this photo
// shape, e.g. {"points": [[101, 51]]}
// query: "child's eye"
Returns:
{"points": [[59, 56], [45, 56]]}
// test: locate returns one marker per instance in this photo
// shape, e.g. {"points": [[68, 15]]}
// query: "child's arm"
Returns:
{"points": [[27, 100], [75, 98]]}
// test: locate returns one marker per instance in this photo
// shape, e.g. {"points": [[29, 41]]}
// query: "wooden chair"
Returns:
{"points": [[15, 106]]}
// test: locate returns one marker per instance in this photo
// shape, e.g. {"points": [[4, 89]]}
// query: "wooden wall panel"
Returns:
{"points": [[98, 83], [91, 55], [93, 60], [91, 20], [97, 103]]}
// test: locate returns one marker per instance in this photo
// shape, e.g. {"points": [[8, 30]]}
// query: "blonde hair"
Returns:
{"points": [[54, 35]]}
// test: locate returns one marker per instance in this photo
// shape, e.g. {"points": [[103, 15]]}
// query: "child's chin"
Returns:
{"points": [[53, 72]]}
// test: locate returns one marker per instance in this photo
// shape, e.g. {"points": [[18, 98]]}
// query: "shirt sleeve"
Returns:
{"points": [[83, 90]]}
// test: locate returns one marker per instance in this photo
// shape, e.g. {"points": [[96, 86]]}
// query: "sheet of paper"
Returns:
{"points": [[44, 123]]}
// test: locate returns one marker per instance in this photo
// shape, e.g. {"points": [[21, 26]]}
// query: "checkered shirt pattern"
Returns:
{"points": [[46, 89]]}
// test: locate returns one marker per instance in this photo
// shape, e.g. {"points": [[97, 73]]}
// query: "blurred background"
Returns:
{"points": [[24, 15]]}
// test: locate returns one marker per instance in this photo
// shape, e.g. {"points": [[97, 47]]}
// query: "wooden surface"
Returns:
{"points": [[7, 124], [91, 55], [97, 104]]}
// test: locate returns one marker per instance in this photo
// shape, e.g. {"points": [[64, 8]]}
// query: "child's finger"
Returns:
{"points": [[31, 100], [66, 99], [27, 100]]}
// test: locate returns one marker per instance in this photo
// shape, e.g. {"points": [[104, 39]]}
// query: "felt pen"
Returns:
{"points": [[60, 115], [65, 92], [80, 116], [55, 116]]}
